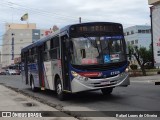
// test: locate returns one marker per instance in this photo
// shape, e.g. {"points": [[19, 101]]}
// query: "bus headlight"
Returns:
{"points": [[79, 77], [74, 74], [127, 70]]}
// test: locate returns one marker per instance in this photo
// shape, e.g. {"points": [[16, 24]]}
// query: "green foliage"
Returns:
{"points": [[134, 67], [148, 67], [142, 56], [145, 55]]}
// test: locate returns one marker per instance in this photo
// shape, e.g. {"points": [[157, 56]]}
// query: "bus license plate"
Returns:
{"points": [[105, 83]]}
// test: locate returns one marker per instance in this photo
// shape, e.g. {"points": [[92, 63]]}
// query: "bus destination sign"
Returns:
{"points": [[99, 28]]}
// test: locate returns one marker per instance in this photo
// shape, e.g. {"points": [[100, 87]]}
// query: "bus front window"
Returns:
{"points": [[96, 50]]}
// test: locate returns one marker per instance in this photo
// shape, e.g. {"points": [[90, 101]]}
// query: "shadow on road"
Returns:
{"points": [[82, 97]]}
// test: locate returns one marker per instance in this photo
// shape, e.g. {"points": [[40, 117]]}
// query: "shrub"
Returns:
{"points": [[148, 67], [134, 67]]}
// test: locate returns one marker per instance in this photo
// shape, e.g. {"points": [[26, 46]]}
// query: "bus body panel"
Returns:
{"points": [[34, 72], [103, 73], [48, 75], [56, 71], [80, 84], [108, 78], [50, 69]]}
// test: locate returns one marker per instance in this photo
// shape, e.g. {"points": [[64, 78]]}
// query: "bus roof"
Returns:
{"points": [[41, 41]]}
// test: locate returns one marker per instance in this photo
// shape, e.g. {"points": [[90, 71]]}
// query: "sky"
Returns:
{"points": [[46, 13]]}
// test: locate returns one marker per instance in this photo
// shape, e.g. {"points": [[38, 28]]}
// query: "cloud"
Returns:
{"points": [[62, 12]]}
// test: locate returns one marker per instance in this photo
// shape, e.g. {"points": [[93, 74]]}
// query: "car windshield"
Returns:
{"points": [[97, 50]]}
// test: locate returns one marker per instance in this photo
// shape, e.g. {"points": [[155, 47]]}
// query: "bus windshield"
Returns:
{"points": [[97, 50]]}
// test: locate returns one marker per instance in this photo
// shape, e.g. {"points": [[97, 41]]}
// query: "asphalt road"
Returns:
{"points": [[141, 95]]}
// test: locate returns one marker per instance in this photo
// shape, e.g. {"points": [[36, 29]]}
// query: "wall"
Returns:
{"points": [[20, 26], [13, 41], [144, 39], [152, 2]]}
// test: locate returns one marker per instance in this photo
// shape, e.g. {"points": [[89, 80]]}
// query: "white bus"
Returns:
{"points": [[79, 57]]}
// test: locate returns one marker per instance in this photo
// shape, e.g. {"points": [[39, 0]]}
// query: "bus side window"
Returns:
{"points": [[29, 56], [35, 58], [46, 48], [54, 48]]}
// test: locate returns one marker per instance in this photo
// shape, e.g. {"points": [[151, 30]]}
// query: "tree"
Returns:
{"points": [[142, 56], [55, 28]]}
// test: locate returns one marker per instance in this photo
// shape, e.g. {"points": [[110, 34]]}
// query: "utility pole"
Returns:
{"points": [[80, 19], [152, 44]]}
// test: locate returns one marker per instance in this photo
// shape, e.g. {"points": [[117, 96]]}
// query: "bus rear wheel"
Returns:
{"points": [[107, 91], [59, 90]]}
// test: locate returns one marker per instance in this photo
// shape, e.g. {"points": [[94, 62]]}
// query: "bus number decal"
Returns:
{"points": [[115, 72]]}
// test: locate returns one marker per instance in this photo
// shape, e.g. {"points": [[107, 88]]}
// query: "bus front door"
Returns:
{"points": [[65, 60]]}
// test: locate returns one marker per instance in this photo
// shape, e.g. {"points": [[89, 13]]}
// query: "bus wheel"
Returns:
{"points": [[33, 88], [107, 91], [59, 90]]}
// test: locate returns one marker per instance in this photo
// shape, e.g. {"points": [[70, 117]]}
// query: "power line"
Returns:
{"points": [[47, 13], [43, 12], [40, 12]]}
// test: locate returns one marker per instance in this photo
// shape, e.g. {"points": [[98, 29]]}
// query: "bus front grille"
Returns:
{"points": [[104, 84]]}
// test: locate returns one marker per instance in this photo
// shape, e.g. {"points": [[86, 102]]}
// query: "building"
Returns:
{"points": [[0, 55], [138, 35], [155, 24], [16, 37], [153, 2]]}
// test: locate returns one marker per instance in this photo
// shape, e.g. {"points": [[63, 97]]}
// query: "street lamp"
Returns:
{"points": [[12, 46]]}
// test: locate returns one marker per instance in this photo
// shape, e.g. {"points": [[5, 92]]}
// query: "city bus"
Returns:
{"points": [[79, 57]]}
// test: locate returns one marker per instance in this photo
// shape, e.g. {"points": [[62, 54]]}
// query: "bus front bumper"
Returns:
{"points": [[80, 83]]}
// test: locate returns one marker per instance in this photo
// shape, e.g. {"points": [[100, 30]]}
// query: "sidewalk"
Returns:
{"points": [[153, 78], [13, 101]]}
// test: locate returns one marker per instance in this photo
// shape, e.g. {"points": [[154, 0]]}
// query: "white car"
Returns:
{"points": [[11, 72]]}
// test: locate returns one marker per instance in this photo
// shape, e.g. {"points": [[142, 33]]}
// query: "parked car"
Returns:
{"points": [[12, 72], [2, 72]]}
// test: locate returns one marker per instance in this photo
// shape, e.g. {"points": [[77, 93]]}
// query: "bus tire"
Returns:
{"points": [[33, 88], [107, 91], [59, 90]]}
